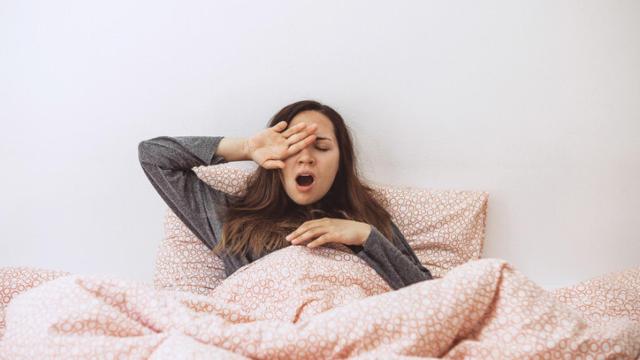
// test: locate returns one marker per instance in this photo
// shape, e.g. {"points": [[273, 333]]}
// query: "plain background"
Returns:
{"points": [[536, 102]]}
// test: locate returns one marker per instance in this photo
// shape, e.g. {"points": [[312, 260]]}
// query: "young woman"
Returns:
{"points": [[305, 191]]}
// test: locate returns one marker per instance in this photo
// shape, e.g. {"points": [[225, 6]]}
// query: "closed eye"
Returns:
{"points": [[321, 149]]}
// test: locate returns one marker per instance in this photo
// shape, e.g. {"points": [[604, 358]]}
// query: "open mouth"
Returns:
{"points": [[304, 181]]}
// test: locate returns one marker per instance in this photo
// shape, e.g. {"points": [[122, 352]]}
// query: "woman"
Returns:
{"points": [[305, 191]]}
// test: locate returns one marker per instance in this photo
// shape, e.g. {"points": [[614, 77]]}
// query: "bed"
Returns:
{"points": [[325, 302]]}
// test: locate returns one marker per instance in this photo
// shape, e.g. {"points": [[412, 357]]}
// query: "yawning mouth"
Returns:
{"points": [[304, 180]]}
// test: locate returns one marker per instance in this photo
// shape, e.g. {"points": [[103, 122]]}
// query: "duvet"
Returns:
{"points": [[322, 303]]}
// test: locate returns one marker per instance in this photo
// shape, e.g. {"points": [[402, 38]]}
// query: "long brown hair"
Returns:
{"points": [[257, 222]]}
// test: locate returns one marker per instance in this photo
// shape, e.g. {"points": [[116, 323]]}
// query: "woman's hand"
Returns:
{"points": [[270, 147], [319, 231]]}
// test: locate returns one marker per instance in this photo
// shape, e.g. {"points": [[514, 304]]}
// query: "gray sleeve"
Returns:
{"points": [[398, 267], [168, 162]]}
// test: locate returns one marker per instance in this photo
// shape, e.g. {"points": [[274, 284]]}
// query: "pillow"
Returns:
{"points": [[445, 228], [185, 263]]}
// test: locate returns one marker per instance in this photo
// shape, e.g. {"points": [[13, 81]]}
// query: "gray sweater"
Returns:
{"points": [[168, 162]]}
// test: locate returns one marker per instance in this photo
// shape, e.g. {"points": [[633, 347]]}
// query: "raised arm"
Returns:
{"points": [[168, 162], [398, 267]]}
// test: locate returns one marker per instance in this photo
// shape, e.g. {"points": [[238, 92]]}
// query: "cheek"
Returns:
{"points": [[290, 164], [335, 163]]}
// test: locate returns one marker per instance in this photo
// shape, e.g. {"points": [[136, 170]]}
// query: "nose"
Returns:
{"points": [[305, 156]]}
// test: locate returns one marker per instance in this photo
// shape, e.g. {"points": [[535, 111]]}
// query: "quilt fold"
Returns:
{"points": [[317, 303]]}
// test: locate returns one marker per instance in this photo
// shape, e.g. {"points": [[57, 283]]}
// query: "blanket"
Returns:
{"points": [[317, 303]]}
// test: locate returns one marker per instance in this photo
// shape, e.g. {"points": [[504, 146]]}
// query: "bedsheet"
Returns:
{"points": [[324, 303]]}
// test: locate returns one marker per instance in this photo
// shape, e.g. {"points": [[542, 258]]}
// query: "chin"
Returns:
{"points": [[304, 202]]}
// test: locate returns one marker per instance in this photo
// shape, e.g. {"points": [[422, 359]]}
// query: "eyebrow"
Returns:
{"points": [[322, 138]]}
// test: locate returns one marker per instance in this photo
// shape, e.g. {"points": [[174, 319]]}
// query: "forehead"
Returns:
{"points": [[325, 126]]}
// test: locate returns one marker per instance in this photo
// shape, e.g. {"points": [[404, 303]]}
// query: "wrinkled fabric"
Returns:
{"points": [[316, 303]]}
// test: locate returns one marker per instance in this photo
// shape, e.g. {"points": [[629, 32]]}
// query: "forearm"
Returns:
{"points": [[391, 263], [233, 149], [179, 152]]}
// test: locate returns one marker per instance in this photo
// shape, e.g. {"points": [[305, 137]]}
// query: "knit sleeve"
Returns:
{"points": [[167, 162], [398, 266]]}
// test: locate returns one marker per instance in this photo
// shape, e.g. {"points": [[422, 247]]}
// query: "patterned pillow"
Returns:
{"points": [[185, 263], [445, 228]]}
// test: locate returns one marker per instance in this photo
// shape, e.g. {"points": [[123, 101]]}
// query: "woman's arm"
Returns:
{"points": [[168, 162], [408, 251], [233, 149], [398, 267]]}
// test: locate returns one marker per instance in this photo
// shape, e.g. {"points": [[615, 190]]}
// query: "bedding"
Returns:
{"points": [[445, 228], [325, 303]]}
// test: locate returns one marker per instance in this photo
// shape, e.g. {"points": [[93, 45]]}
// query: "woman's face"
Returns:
{"points": [[320, 159]]}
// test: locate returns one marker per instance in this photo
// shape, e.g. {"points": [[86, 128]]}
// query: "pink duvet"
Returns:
{"points": [[324, 303]]}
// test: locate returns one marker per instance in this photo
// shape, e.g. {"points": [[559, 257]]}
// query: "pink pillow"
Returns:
{"points": [[445, 228], [185, 263]]}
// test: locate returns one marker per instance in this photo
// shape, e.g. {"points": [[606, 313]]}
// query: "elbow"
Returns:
{"points": [[143, 150], [147, 150]]}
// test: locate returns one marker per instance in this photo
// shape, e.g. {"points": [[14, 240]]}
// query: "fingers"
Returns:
{"points": [[309, 235], [306, 226], [295, 148], [301, 135], [294, 129], [299, 128], [280, 126], [273, 164], [319, 241]]}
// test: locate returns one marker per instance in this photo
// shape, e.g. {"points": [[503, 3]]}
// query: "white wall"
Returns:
{"points": [[536, 102]]}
